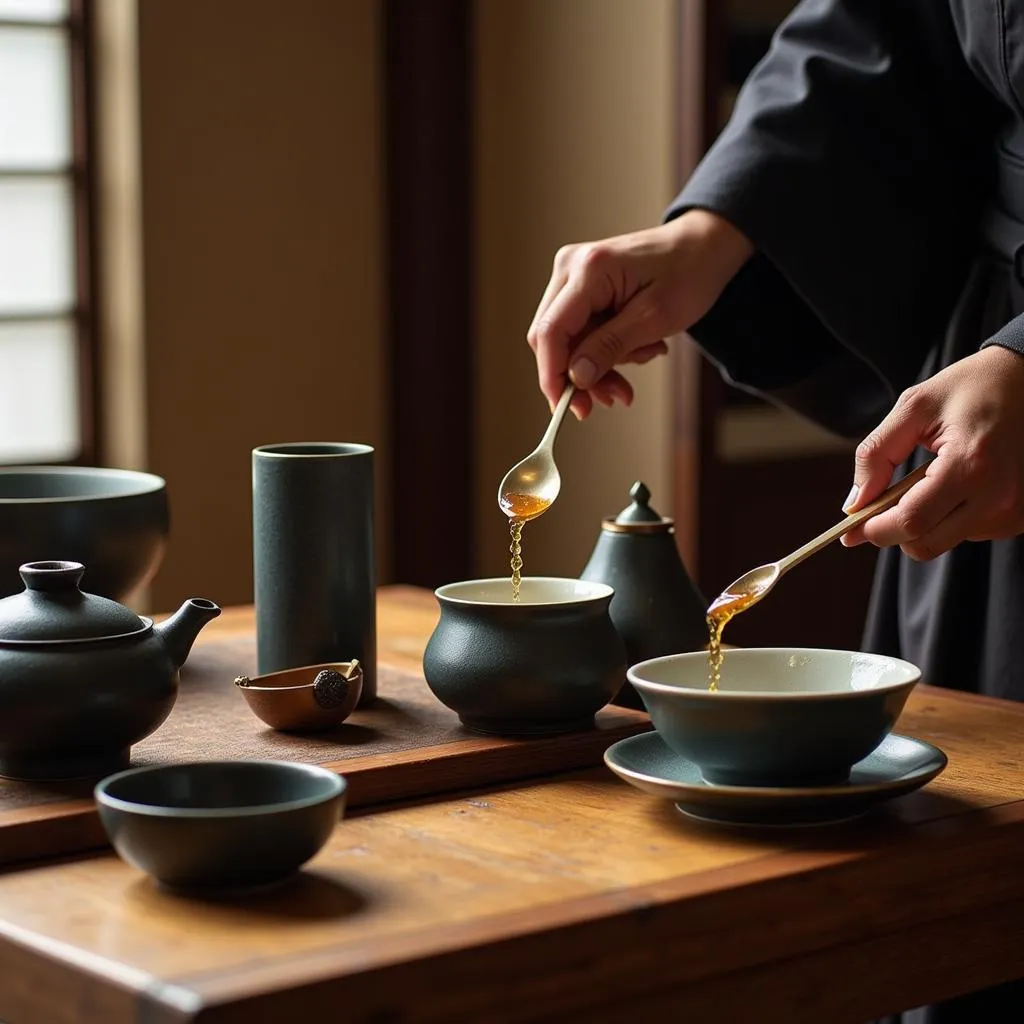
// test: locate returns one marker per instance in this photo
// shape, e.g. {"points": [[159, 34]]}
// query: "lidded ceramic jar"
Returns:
{"points": [[657, 609]]}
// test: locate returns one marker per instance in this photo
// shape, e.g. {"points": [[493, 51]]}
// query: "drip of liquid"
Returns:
{"points": [[723, 608], [520, 508], [515, 528]]}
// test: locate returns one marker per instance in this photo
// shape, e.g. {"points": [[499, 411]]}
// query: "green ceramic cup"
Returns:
{"points": [[780, 717]]}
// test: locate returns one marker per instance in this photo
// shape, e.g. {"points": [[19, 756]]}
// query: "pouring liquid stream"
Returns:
{"points": [[519, 508], [727, 605]]}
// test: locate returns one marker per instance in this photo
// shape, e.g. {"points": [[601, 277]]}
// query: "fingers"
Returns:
{"points": [[646, 353], [611, 388], [944, 537], [921, 511], [551, 336], [888, 445], [636, 326], [959, 499], [582, 404], [559, 275]]}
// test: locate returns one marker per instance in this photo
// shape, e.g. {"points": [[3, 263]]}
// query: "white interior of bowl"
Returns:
{"points": [[775, 671], [53, 484], [535, 590]]}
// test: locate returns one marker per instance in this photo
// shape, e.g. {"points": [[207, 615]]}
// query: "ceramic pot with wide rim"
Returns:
{"points": [[545, 664]]}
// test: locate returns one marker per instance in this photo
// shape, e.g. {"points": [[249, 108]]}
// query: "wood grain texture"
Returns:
{"points": [[406, 745], [574, 898]]}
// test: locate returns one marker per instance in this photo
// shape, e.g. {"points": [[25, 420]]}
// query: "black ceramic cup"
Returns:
{"points": [[314, 557], [220, 827], [545, 664]]}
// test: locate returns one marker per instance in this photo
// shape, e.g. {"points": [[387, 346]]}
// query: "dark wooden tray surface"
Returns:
{"points": [[407, 745]]}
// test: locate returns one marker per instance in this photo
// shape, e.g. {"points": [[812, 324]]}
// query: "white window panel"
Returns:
{"points": [[35, 99], [33, 10], [38, 391], [36, 246]]}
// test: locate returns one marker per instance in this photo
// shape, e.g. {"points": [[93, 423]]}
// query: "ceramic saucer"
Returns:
{"points": [[898, 765]]}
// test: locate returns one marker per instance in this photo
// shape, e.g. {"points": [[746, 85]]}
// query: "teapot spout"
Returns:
{"points": [[179, 632]]}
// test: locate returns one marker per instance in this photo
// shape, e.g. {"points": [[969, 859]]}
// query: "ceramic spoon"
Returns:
{"points": [[755, 584], [530, 486]]}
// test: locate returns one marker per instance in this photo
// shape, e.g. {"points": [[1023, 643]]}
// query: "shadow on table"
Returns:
{"points": [[882, 823], [308, 896]]}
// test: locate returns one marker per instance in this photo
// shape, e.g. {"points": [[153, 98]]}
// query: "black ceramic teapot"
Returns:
{"points": [[82, 678], [657, 609]]}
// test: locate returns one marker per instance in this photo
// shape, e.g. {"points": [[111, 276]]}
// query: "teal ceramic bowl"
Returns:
{"points": [[780, 717], [220, 827], [115, 521]]}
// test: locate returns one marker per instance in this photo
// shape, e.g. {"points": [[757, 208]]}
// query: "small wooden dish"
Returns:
{"points": [[305, 699]]}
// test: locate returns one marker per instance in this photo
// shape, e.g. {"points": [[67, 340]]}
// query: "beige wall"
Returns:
{"points": [[574, 141], [261, 257], [261, 253]]}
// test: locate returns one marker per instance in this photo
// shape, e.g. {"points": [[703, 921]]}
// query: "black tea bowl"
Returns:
{"points": [[545, 664], [115, 521], [220, 827]]}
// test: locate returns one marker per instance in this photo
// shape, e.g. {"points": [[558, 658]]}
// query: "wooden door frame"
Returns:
{"points": [[429, 200], [696, 386]]}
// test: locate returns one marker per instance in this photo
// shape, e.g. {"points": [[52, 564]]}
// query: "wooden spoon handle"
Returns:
{"points": [[885, 500]]}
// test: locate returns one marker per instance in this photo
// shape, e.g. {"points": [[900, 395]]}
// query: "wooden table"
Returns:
{"points": [[573, 898]]}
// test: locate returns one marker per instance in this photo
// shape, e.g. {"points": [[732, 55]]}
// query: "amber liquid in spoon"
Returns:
{"points": [[519, 508]]}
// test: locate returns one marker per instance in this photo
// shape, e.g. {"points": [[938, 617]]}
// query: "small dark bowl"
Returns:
{"points": [[220, 827], [115, 521], [543, 665]]}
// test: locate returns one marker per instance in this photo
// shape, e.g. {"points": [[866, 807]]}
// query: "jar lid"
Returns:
{"points": [[638, 517], [640, 510], [52, 608]]}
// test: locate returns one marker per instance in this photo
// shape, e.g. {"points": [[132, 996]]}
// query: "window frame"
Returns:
{"points": [[80, 174]]}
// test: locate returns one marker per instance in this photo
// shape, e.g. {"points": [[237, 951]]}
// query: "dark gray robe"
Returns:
{"points": [[876, 160]]}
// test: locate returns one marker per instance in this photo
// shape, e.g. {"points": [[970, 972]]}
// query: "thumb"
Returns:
{"points": [[887, 446], [635, 325]]}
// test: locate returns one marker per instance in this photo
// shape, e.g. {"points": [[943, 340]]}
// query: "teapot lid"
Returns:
{"points": [[639, 515], [52, 608]]}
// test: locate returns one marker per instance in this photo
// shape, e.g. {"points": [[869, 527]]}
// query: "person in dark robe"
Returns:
{"points": [[852, 247]]}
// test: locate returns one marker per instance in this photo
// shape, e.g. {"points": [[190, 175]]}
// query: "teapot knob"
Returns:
{"points": [[639, 493], [51, 576]]}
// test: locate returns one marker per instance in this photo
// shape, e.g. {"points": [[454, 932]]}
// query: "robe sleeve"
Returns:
{"points": [[856, 162], [1010, 336]]}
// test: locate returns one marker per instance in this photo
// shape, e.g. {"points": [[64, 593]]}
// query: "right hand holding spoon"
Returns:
{"points": [[971, 415]]}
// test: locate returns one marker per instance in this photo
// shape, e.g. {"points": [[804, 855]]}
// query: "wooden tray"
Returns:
{"points": [[407, 745]]}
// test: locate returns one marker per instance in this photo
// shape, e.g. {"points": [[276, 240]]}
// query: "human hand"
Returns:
{"points": [[971, 415], [614, 302]]}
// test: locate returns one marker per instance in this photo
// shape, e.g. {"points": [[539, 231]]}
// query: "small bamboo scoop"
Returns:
{"points": [[755, 584]]}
